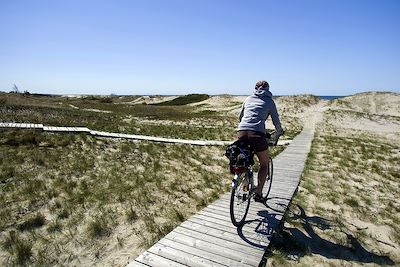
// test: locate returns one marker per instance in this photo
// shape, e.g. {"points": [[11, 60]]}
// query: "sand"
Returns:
{"points": [[352, 185], [373, 114]]}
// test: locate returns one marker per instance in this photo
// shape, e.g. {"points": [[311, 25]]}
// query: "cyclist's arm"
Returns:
{"points": [[275, 120], [241, 113]]}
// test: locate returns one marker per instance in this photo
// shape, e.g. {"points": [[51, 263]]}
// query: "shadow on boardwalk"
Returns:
{"points": [[293, 241], [261, 229], [258, 232]]}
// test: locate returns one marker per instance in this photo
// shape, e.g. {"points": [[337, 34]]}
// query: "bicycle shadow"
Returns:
{"points": [[258, 231], [315, 244], [267, 231]]}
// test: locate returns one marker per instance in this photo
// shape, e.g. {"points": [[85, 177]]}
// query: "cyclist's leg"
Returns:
{"points": [[263, 158]]}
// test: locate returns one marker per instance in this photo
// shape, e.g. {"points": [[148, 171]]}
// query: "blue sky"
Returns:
{"points": [[323, 47]]}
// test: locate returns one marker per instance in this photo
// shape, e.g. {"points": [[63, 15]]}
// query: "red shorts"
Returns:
{"points": [[257, 140]]}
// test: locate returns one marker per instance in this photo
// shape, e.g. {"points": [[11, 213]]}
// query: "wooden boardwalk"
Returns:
{"points": [[119, 135], [208, 238]]}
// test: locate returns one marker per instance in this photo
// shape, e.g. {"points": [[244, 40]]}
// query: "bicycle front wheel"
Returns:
{"points": [[268, 183], [240, 198]]}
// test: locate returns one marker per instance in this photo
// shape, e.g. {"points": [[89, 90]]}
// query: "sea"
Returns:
{"points": [[324, 97], [330, 97]]}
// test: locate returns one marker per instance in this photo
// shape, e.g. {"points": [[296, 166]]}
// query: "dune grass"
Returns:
{"points": [[184, 100], [346, 210], [71, 199], [170, 121], [65, 191]]}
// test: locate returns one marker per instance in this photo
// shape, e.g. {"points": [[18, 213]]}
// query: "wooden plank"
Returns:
{"points": [[83, 129], [231, 236], [212, 223], [136, 264], [222, 243], [216, 209], [155, 260], [221, 260], [223, 234], [232, 253], [184, 257], [218, 223], [224, 204]]}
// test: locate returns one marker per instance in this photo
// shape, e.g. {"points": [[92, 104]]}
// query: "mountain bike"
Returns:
{"points": [[241, 161]]}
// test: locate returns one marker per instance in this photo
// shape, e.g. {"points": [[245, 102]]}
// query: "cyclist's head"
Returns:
{"points": [[262, 85]]}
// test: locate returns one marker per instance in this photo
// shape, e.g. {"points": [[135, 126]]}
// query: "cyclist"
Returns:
{"points": [[255, 111]]}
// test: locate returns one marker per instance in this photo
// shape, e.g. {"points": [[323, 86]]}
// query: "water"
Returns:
{"points": [[330, 97]]}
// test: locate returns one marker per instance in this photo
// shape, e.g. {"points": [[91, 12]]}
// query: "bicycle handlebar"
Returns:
{"points": [[273, 138]]}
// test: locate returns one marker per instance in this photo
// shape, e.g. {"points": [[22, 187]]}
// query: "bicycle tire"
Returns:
{"points": [[268, 182], [240, 200]]}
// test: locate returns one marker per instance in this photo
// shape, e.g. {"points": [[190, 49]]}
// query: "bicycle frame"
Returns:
{"points": [[242, 192], [237, 175]]}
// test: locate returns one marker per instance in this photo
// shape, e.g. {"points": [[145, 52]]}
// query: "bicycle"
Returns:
{"points": [[241, 161]]}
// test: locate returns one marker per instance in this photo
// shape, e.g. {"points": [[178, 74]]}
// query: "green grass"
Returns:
{"points": [[90, 187], [184, 100]]}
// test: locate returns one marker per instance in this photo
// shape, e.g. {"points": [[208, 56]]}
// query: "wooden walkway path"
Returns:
{"points": [[119, 135], [208, 238]]}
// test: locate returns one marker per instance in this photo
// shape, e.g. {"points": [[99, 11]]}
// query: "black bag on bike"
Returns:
{"points": [[240, 155]]}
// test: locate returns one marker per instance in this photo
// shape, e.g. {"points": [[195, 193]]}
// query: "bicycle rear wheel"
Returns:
{"points": [[268, 182], [240, 198]]}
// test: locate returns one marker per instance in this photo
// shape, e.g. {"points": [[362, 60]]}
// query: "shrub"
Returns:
{"points": [[6, 172], [63, 214], [54, 227], [21, 249], [184, 100], [98, 228], [106, 100], [34, 222], [131, 215]]}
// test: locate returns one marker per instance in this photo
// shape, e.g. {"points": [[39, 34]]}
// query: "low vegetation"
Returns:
{"points": [[79, 194], [184, 100], [71, 199], [172, 119], [346, 210]]}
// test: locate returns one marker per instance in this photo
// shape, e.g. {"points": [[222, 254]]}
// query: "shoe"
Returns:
{"points": [[259, 198]]}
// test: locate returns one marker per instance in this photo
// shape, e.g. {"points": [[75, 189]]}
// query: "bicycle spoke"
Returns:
{"points": [[240, 201]]}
